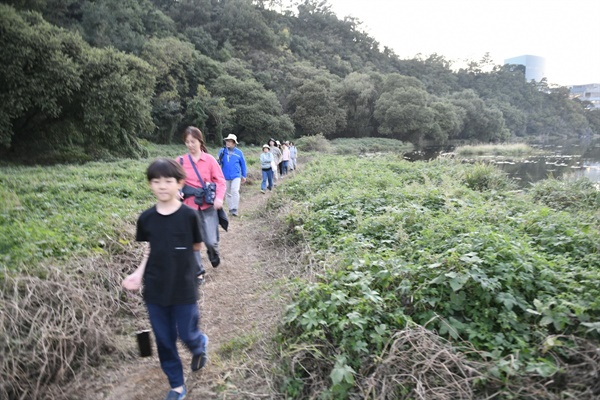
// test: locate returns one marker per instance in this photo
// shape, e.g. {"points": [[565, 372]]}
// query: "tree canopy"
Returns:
{"points": [[86, 79]]}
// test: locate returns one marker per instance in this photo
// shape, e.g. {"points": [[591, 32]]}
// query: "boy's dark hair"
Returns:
{"points": [[165, 168]]}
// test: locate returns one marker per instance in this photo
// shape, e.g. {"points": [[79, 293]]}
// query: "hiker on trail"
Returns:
{"points": [[285, 158], [273, 144], [279, 159], [293, 155], [168, 273], [203, 172], [233, 164], [266, 161]]}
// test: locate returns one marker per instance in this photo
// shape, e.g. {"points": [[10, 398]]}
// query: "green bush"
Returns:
{"points": [[430, 243], [487, 177], [579, 194], [318, 143]]}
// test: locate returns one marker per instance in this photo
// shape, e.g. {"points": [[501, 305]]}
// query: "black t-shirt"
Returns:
{"points": [[170, 275]]}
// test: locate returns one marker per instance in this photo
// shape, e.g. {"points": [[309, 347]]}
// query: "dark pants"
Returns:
{"points": [[168, 322]]}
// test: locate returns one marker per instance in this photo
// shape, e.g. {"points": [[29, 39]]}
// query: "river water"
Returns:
{"points": [[568, 160]]}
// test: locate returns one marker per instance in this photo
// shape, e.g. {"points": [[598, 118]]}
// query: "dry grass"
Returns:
{"points": [[418, 364], [52, 328], [506, 149]]}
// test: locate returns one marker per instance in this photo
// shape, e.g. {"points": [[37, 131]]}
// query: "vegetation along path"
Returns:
{"points": [[239, 310]]}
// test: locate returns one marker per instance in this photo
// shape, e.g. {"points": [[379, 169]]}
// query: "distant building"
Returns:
{"points": [[535, 67], [589, 92]]}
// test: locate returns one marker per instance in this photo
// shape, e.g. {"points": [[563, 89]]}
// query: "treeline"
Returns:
{"points": [[85, 79]]}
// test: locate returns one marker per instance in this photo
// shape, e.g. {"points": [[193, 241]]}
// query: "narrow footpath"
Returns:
{"points": [[239, 306]]}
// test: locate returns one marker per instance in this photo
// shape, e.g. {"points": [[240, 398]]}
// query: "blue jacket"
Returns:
{"points": [[232, 163]]}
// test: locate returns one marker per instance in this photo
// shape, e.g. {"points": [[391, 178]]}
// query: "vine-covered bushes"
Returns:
{"points": [[413, 243], [562, 194]]}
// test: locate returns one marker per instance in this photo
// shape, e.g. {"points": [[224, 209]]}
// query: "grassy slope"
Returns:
{"points": [[104, 199]]}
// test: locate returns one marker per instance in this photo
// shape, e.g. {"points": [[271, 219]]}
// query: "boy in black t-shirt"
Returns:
{"points": [[168, 272]]}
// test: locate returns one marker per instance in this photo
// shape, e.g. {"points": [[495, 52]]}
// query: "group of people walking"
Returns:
{"points": [[276, 161], [190, 193]]}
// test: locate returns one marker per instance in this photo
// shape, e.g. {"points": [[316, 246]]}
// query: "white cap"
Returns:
{"points": [[232, 137]]}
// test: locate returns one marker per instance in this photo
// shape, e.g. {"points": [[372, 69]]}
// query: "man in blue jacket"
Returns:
{"points": [[232, 162]]}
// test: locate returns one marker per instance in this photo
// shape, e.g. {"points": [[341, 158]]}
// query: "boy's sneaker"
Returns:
{"points": [[262, 191], [199, 360], [173, 395]]}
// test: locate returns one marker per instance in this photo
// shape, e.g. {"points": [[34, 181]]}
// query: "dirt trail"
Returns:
{"points": [[237, 308]]}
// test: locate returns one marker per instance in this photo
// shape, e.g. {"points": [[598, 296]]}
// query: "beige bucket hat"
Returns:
{"points": [[232, 137]]}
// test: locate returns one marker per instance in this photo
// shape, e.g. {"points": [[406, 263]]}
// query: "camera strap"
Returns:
{"points": [[195, 170]]}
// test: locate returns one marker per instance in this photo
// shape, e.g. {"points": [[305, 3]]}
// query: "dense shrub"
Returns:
{"points": [[487, 177], [314, 143], [445, 246], [579, 194]]}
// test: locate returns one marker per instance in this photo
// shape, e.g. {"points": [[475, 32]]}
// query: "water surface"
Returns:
{"points": [[567, 159]]}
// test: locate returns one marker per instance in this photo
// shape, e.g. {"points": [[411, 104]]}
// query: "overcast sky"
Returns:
{"points": [[565, 32]]}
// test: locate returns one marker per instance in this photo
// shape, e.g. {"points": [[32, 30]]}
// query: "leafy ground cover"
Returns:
{"points": [[508, 284], [62, 211], [67, 210], [346, 146]]}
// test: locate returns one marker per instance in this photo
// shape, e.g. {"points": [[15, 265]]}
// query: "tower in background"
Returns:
{"points": [[535, 67]]}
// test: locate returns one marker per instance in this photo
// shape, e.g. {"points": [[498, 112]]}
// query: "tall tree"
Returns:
{"points": [[115, 107], [481, 122], [212, 113], [404, 114], [39, 73], [124, 24], [180, 69], [358, 94], [60, 93], [258, 114], [315, 109]]}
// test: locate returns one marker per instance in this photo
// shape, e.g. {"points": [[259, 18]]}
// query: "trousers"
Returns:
{"points": [[233, 193], [267, 179], [168, 323], [209, 228]]}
